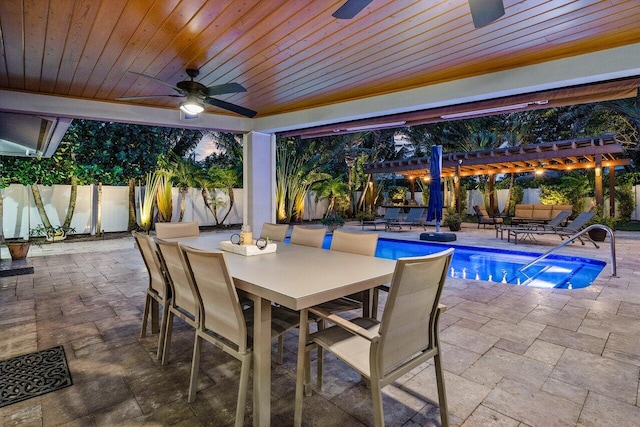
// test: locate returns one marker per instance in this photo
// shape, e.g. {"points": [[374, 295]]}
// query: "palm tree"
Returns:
{"points": [[330, 189], [482, 140], [223, 180], [184, 175]]}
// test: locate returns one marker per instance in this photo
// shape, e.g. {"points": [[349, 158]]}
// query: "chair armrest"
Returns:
{"points": [[344, 324]]}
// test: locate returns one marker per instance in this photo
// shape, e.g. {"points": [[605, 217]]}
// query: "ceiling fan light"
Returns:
{"points": [[192, 107]]}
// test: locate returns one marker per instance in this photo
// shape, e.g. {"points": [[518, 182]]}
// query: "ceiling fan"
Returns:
{"points": [[198, 94], [483, 12]]}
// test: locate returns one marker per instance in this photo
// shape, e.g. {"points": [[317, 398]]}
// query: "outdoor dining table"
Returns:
{"points": [[296, 277]]}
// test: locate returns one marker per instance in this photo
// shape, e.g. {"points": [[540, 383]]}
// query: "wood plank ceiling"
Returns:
{"points": [[290, 54]]}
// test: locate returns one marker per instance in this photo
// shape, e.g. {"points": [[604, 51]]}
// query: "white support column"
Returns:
{"points": [[259, 182]]}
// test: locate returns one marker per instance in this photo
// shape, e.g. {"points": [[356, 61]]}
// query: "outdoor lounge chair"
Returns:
{"points": [[389, 216], [415, 217], [383, 351], [568, 231], [556, 222], [484, 218]]}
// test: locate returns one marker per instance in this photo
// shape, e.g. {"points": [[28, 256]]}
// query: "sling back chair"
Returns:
{"points": [[158, 289], [406, 337]]}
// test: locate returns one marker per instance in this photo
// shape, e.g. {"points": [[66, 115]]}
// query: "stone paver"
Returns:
{"points": [[513, 355]]}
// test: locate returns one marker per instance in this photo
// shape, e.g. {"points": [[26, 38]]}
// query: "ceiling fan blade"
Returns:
{"points": [[225, 88], [350, 9], [130, 98], [484, 12], [231, 107], [162, 82]]}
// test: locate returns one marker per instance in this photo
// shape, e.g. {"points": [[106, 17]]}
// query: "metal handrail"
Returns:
{"points": [[612, 244]]}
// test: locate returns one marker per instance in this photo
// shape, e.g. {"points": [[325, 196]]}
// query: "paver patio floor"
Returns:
{"points": [[513, 355]]}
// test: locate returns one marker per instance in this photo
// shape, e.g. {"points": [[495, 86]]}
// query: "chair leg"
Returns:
{"points": [[163, 328], [167, 338], [376, 396], [242, 391], [145, 316], [442, 395], [195, 365], [320, 362], [280, 349], [301, 367]]}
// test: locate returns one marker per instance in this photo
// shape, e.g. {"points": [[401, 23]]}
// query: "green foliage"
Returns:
{"points": [[147, 200], [332, 189], [576, 186], [397, 194], [365, 216], [554, 195], [297, 169], [625, 199], [42, 231], [332, 219], [601, 218], [164, 197], [112, 153], [452, 219]]}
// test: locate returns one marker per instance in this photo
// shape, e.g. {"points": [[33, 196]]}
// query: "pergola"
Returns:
{"points": [[586, 153]]}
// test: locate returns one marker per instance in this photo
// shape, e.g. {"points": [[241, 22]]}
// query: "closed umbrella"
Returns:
{"points": [[434, 209]]}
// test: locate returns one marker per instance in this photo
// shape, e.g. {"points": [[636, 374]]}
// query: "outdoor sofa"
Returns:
{"points": [[537, 213]]}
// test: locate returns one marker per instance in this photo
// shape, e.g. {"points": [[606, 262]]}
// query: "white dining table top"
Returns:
{"points": [[299, 276]]}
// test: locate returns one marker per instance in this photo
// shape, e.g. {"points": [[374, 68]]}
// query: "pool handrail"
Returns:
{"points": [[612, 244]]}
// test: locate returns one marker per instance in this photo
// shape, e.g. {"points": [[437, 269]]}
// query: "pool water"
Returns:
{"points": [[495, 265]]}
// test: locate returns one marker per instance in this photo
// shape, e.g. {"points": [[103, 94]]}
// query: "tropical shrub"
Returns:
{"points": [[397, 194], [147, 201], [164, 196]]}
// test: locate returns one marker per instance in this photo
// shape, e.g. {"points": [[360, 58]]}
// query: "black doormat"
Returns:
{"points": [[33, 374]]}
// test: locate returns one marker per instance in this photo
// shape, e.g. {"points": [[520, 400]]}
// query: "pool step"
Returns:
{"points": [[550, 277]]}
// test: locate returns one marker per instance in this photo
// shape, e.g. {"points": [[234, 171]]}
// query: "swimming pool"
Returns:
{"points": [[495, 265]]}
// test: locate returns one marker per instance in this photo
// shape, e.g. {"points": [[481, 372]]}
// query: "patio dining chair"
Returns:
{"points": [[158, 288], [275, 232], [169, 230], [182, 303], [222, 320], [355, 243], [382, 351], [308, 236]]}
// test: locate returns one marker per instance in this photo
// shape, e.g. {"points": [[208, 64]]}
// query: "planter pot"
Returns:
{"points": [[597, 235], [454, 228], [18, 250]]}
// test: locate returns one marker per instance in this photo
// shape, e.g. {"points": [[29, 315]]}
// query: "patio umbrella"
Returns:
{"points": [[434, 209]]}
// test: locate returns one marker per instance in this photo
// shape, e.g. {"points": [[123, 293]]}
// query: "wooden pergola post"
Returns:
{"points": [[456, 189], [598, 180], [412, 180], [492, 202], [612, 191]]}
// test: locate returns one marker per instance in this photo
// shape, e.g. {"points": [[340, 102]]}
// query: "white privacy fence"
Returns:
{"points": [[20, 213]]}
